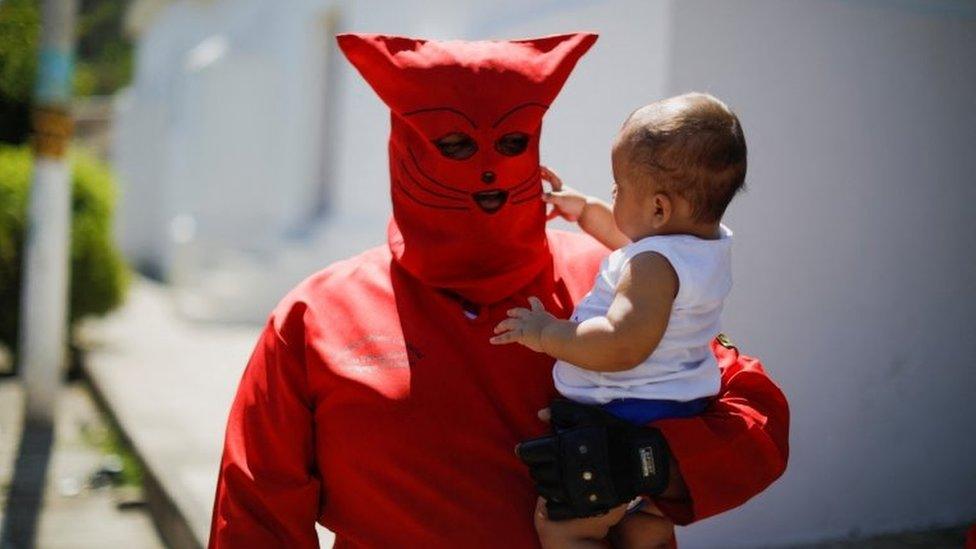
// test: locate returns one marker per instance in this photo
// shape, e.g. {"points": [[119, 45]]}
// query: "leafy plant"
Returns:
{"points": [[103, 57], [19, 35], [99, 276]]}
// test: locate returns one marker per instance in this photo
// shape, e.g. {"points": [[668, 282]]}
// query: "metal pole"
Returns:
{"points": [[44, 301]]}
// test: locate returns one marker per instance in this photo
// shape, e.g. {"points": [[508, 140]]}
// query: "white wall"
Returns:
{"points": [[854, 266], [221, 124], [855, 259]]}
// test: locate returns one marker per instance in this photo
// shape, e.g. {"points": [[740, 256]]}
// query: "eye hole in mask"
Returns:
{"points": [[512, 144], [456, 146]]}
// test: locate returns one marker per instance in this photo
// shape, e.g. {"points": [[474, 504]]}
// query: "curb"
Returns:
{"points": [[170, 522]]}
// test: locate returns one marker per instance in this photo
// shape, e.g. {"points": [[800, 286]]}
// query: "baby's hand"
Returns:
{"points": [[524, 326], [566, 201]]}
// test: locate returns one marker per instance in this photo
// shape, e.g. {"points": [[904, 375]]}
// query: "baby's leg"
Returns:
{"points": [[582, 533], [648, 528], [572, 542]]}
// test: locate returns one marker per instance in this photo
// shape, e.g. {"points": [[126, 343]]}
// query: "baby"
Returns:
{"points": [[638, 343]]}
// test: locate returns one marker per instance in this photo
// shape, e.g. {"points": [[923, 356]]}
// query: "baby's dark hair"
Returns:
{"points": [[691, 145]]}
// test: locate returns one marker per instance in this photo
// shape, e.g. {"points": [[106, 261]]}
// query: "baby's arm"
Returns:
{"points": [[593, 215], [631, 329]]}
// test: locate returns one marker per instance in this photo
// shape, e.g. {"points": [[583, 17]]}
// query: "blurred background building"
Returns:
{"points": [[250, 154]]}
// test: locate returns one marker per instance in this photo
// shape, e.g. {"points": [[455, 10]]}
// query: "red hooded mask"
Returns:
{"points": [[464, 153]]}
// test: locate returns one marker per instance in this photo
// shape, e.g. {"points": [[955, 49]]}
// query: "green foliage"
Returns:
{"points": [[109, 441], [99, 277], [103, 57], [104, 53], [19, 35]]}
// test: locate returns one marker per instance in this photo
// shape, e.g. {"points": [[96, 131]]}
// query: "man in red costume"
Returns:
{"points": [[374, 402]]}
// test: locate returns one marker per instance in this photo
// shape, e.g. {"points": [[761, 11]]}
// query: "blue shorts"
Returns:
{"points": [[640, 412]]}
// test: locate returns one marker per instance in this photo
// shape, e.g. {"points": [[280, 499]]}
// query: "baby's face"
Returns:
{"points": [[629, 199]]}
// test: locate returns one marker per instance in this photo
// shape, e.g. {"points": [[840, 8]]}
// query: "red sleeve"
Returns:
{"points": [[734, 450], [268, 489]]}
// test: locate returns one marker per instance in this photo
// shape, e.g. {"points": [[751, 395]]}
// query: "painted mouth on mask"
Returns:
{"points": [[490, 201]]}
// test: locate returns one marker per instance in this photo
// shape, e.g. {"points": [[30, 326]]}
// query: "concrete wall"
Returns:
{"points": [[855, 262], [854, 268], [221, 129]]}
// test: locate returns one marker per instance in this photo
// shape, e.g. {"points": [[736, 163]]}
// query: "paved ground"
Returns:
{"points": [[169, 384], [947, 538], [73, 513]]}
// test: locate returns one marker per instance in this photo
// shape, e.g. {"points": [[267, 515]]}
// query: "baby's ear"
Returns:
{"points": [[375, 57], [662, 207]]}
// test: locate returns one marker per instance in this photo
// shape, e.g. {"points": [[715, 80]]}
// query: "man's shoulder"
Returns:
{"points": [[576, 252], [576, 244], [370, 266], [363, 276]]}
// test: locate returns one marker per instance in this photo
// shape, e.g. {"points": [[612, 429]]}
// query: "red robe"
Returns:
{"points": [[374, 405]]}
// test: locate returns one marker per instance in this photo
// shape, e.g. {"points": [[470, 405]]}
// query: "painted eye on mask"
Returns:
{"points": [[512, 144], [456, 146]]}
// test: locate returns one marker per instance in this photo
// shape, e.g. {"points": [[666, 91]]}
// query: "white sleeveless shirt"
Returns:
{"points": [[682, 366]]}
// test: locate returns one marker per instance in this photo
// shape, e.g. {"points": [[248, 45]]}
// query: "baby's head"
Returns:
{"points": [[677, 163]]}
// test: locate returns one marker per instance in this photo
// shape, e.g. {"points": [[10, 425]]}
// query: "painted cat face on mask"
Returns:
{"points": [[464, 153]]}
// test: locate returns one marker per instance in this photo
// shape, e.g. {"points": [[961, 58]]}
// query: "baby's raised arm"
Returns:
{"points": [[593, 215], [625, 337]]}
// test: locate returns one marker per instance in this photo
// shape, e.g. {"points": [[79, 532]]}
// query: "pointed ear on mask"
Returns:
{"points": [[555, 58], [401, 69], [374, 56]]}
